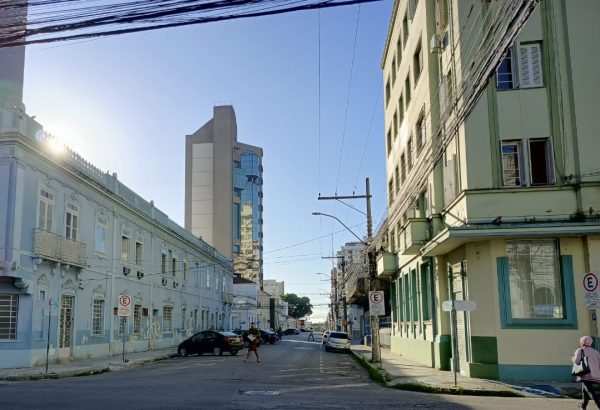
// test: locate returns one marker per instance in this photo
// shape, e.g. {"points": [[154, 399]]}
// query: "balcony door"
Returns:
{"points": [[65, 332]]}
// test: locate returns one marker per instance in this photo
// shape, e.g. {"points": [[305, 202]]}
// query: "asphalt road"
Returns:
{"points": [[293, 374]]}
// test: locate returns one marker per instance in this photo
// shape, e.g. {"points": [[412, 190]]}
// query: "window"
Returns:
{"points": [[536, 285], [389, 142], [98, 317], [9, 309], [100, 234], [409, 152], [185, 271], [46, 211], [402, 167], [137, 319], [531, 166], [405, 28], [139, 248], [207, 279], [520, 71], [407, 90], [167, 318], [412, 8], [183, 317], [174, 267], [397, 175], [72, 221], [388, 92], [418, 62], [395, 124], [398, 50], [425, 292], [125, 244], [391, 190], [400, 110], [163, 264], [394, 70], [414, 295], [421, 135]]}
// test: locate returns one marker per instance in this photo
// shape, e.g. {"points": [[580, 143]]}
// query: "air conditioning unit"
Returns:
{"points": [[140, 274], [435, 44], [164, 281], [126, 270]]}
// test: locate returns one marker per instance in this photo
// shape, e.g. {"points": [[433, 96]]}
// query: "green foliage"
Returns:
{"points": [[297, 306]]}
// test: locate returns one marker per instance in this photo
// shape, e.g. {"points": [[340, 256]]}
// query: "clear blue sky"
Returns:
{"points": [[126, 103]]}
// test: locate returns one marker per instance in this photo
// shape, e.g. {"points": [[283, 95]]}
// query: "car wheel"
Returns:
{"points": [[182, 352], [233, 352], [217, 351]]}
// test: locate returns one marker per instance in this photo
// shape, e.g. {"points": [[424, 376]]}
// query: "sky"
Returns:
{"points": [[305, 86]]}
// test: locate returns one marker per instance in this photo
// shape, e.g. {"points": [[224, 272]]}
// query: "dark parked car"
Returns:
{"points": [[291, 331], [268, 336], [210, 341]]}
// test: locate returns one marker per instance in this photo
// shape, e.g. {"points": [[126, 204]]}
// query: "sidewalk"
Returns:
{"points": [[406, 374], [87, 366]]}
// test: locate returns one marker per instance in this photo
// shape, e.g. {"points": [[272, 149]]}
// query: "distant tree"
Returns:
{"points": [[297, 306]]}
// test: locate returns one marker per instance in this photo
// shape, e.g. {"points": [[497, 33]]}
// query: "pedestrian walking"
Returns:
{"points": [[254, 340], [279, 332], [311, 335], [588, 381]]}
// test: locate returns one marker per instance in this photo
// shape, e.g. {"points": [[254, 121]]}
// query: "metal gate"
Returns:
{"points": [[65, 324]]}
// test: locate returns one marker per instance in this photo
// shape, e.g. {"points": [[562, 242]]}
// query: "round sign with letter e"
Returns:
{"points": [[592, 293], [124, 305], [376, 303]]}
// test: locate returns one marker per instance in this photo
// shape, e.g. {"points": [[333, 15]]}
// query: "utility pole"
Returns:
{"points": [[373, 281], [343, 299]]}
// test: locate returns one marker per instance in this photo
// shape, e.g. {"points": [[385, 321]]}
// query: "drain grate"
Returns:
{"points": [[260, 392]]}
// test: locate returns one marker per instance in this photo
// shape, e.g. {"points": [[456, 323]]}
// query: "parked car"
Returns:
{"points": [[210, 341], [268, 336], [338, 341], [291, 331], [303, 329], [325, 336]]}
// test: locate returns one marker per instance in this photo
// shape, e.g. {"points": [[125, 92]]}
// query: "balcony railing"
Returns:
{"points": [[49, 245], [416, 234]]}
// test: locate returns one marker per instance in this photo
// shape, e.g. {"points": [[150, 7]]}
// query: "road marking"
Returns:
{"points": [[260, 392], [321, 362]]}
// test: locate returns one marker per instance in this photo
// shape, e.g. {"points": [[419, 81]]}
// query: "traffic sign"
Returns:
{"points": [[460, 305], [376, 303], [124, 306], [592, 293]]}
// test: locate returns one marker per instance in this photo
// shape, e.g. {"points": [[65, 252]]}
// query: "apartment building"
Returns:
{"points": [[223, 192], [493, 182]]}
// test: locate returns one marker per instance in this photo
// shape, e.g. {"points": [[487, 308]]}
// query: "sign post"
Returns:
{"points": [[453, 306], [591, 281], [376, 308], [124, 311]]}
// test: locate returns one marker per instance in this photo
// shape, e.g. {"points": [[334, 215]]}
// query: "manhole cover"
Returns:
{"points": [[259, 392]]}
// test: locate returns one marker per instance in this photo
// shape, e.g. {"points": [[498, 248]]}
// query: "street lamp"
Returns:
{"points": [[343, 224]]}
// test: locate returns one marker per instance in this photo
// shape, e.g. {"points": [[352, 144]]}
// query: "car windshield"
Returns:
{"points": [[228, 334], [338, 335]]}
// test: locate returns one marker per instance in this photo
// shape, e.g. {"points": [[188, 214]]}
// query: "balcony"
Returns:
{"points": [[416, 234], [48, 245], [386, 264]]}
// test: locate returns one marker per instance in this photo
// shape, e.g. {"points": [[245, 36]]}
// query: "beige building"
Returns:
{"points": [[223, 192], [493, 182]]}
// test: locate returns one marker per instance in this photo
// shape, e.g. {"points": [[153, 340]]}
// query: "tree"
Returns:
{"points": [[297, 306]]}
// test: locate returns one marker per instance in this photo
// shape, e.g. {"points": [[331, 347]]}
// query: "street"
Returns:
{"points": [[293, 373]]}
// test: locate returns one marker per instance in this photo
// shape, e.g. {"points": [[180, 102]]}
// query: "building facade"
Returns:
{"points": [[493, 184], [74, 240], [220, 170]]}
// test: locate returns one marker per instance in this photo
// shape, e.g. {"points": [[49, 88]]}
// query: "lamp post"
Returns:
{"points": [[373, 280]]}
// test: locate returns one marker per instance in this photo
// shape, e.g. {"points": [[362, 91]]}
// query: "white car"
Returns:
{"points": [[338, 341], [325, 336]]}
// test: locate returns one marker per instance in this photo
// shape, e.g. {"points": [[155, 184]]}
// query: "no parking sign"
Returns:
{"points": [[592, 292]]}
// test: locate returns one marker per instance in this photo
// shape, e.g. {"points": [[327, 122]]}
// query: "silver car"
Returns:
{"points": [[325, 336], [338, 341]]}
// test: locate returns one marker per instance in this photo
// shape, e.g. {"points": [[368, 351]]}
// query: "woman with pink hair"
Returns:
{"points": [[593, 377]]}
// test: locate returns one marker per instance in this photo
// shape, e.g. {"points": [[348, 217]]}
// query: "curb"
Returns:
{"points": [[43, 376], [151, 360], [383, 377]]}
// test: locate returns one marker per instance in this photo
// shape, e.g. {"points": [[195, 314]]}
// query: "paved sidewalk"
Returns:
{"points": [[407, 374], [87, 366]]}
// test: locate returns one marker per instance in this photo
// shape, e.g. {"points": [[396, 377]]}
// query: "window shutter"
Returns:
{"points": [[536, 65], [524, 64], [530, 61]]}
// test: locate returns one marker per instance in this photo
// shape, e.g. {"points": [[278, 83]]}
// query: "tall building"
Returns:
{"points": [[223, 192], [493, 183]]}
